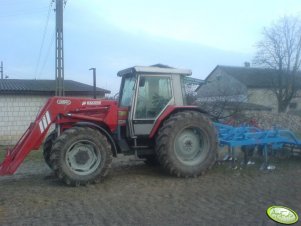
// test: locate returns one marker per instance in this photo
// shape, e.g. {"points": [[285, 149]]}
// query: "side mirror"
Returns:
{"points": [[141, 82]]}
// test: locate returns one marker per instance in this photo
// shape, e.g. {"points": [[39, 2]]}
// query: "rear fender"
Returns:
{"points": [[103, 130], [168, 112]]}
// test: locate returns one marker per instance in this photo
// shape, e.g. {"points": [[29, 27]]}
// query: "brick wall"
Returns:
{"points": [[16, 113]]}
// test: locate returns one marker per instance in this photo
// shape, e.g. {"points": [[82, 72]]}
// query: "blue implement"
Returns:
{"points": [[244, 136]]}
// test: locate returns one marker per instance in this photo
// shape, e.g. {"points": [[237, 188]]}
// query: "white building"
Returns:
{"points": [[21, 100], [246, 84]]}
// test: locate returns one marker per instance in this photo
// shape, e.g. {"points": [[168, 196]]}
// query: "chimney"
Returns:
{"points": [[247, 64]]}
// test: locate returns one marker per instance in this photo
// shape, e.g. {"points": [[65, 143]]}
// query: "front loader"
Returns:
{"points": [[152, 120]]}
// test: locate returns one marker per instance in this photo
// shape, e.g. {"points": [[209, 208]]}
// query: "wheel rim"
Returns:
{"points": [[191, 146], [83, 157]]}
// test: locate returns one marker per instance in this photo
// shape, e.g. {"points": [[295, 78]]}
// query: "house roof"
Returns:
{"points": [[25, 86], [252, 77]]}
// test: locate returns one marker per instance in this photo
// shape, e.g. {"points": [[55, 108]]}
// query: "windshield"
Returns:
{"points": [[127, 91]]}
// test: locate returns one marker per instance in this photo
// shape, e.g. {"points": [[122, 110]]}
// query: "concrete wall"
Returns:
{"points": [[263, 97], [267, 98]]}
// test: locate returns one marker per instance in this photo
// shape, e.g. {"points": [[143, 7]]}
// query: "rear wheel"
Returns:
{"points": [[186, 144], [81, 156]]}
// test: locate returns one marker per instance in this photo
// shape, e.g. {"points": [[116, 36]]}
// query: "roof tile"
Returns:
{"points": [[254, 77], [25, 85]]}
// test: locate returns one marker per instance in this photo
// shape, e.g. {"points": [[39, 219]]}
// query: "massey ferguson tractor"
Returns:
{"points": [[151, 120]]}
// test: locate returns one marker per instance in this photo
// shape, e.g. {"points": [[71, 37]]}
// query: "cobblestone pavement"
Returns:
{"points": [[137, 194]]}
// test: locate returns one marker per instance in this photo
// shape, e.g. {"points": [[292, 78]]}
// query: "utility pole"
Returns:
{"points": [[59, 49], [94, 81], [1, 70]]}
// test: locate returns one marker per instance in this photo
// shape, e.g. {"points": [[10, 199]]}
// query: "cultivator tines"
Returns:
{"points": [[245, 136]]}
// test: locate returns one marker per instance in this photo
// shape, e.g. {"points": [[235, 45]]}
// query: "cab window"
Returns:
{"points": [[127, 91], [154, 93]]}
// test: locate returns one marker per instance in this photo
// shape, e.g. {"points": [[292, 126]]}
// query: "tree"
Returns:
{"points": [[280, 49]]}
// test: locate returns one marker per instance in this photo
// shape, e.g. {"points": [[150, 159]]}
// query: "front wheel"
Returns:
{"points": [[81, 155], [48, 146], [186, 144]]}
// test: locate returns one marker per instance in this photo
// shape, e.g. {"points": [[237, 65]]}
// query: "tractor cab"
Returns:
{"points": [[147, 91]]}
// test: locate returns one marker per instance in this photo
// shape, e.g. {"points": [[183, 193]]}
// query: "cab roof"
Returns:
{"points": [[154, 69]]}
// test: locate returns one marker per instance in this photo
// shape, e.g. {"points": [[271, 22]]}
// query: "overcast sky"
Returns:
{"points": [[115, 34]]}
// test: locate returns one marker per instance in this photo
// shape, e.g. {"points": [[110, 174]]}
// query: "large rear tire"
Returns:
{"points": [[186, 144], [80, 156]]}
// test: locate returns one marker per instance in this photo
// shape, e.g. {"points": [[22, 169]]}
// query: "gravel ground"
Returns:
{"points": [[137, 194]]}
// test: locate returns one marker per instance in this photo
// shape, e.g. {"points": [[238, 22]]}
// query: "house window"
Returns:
{"points": [[293, 105]]}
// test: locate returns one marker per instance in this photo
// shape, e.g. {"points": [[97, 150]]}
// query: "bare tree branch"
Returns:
{"points": [[222, 98], [280, 49]]}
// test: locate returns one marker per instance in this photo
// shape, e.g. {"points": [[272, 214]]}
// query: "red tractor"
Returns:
{"points": [[151, 120]]}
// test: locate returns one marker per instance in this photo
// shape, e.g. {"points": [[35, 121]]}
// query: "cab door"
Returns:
{"points": [[153, 95]]}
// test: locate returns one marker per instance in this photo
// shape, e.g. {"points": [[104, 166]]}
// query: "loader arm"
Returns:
{"points": [[62, 111]]}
